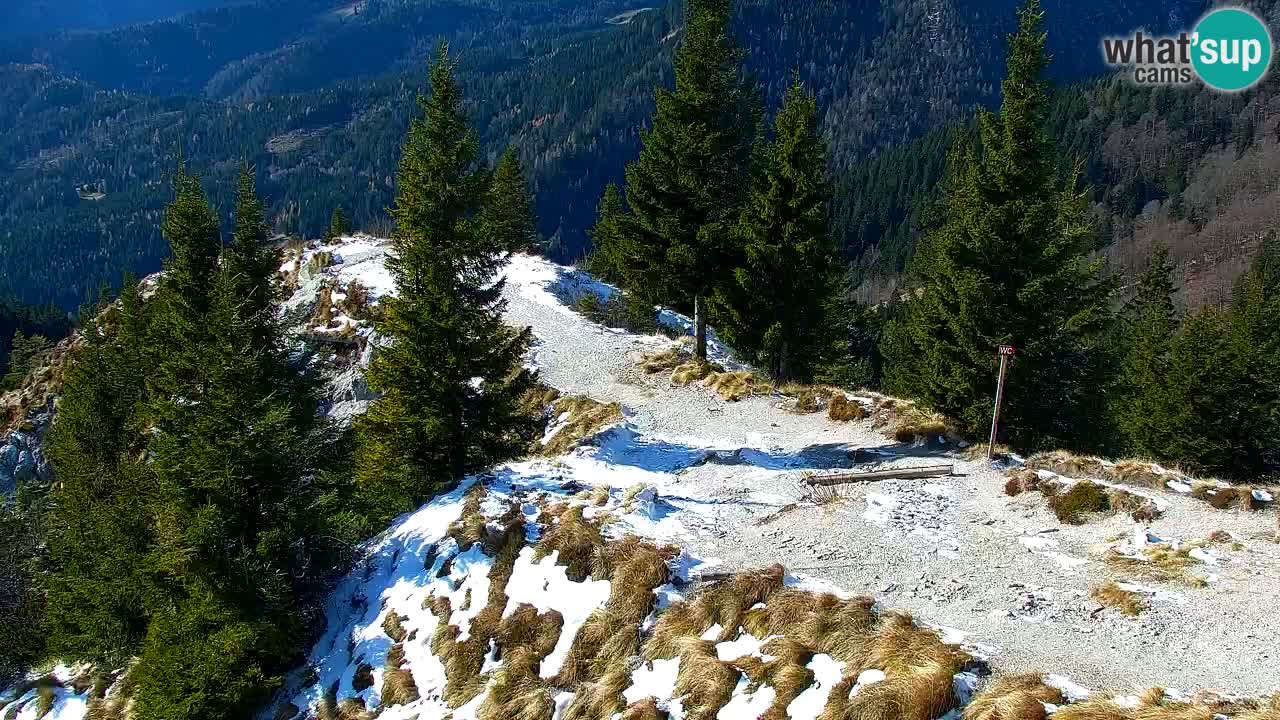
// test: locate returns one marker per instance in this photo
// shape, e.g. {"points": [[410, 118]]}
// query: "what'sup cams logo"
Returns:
{"points": [[1229, 50]]}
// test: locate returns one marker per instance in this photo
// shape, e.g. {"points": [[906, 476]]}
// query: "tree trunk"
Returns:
{"points": [[700, 327], [783, 371]]}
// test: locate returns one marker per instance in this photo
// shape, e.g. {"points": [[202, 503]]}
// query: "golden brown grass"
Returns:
{"points": [[646, 709], [354, 709], [786, 673], [471, 526], [586, 418], [1112, 595], [1013, 697], [600, 698], [665, 360], [913, 424], [363, 678], [393, 626], [463, 659], [1137, 472], [1104, 708], [1161, 565], [575, 540], [1067, 464], [692, 371], [398, 687], [517, 693], [842, 409], [1021, 481], [734, 386], [978, 451], [705, 682]]}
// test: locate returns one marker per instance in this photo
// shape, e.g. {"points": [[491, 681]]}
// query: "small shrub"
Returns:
{"points": [[734, 386], [842, 409], [1014, 697], [1112, 595], [665, 360], [1083, 497], [1067, 464], [1012, 487], [693, 371]]}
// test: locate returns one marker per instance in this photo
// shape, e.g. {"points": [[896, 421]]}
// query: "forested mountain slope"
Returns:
{"points": [[1193, 167], [317, 94]]}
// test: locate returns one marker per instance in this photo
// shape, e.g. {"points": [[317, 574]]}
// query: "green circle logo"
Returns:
{"points": [[1231, 49]]}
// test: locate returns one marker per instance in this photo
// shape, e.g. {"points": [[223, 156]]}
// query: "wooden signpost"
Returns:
{"points": [[1006, 352]]}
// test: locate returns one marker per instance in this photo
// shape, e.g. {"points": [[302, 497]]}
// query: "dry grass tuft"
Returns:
{"points": [[1161, 564], [913, 424], [734, 386], [354, 709], [1104, 708], [646, 709], [471, 526], [705, 682], [665, 360], [978, 451], [692, 371], [1138, 472], [517, 693], [600, 698], [1112, 595], [842, 409], [1068, 464], [575, 540], [1013, 697], [586, 417], [398, 687], [463, 659], [363, 679], [393, 626]]}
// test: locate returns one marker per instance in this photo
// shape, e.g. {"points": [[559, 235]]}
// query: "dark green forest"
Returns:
{"points": [[316, 95]]}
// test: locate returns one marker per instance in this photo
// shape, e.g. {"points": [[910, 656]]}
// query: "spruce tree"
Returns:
{"points": [[507, 216], [229, 448], [686, 188], [249, 262], [778, 307], [1009, 265], [98, 587], [1255, 339], [1206, 411], [610, 253], [451, 374], [1142, 412], [338, 225]]}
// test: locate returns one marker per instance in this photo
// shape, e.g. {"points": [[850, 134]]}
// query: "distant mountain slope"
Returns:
{"points": [[26, 17], [318, 96]]}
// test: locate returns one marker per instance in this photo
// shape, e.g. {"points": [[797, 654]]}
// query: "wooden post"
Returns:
{"points": [[1006, 352], [700, 327]]}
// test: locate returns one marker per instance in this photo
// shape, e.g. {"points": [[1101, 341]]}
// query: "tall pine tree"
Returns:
{"points": [[1255, 338], [611, 251], [686, 188], [778, 308], [1142, 412], [1009, 265], [451, 375], [230, 450], [98, 590], [507, 216]]}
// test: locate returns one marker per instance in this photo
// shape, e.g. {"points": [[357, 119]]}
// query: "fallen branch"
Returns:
{"points": [[925, 471]]}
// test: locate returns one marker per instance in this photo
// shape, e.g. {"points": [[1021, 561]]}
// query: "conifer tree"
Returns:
{"points": [[1206, 411], [1008, 265], [685, 190], [610, 254], [1142, 414], [98, 526], [451, 376], [507, 216], [1255, 339], [250, 263], [778, 307], [230, 455], [338, 225]]}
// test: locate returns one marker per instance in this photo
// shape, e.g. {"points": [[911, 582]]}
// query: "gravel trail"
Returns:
{"points": [[957, 552]]}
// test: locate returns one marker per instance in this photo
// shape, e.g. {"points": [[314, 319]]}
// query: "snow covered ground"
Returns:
{"points": [[998, 576]]}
